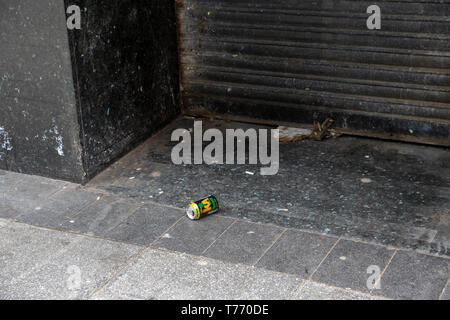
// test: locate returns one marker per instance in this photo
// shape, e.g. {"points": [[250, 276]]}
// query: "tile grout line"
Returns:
{"points": [[447, 285], [228, 228], [96, 190], [384, 270], [162, 205], [40, 202], [70, 216], [78, 212], [323, 260], [86, 206], [389, 247], [304, 282], [271, 246], [165, 232], [123, 220], [300, 288], [397, 250], [145, 248], [76, 233], [144, 202], [64, 187], [125, 265]]}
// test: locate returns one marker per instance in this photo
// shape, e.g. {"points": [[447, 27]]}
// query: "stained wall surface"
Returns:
{"points": [[39, 132], [73, 101], [125, 63]]}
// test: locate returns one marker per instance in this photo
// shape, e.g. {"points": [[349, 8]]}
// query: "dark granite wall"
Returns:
{"points": [[125, 65], [71, 102], [39, 132]]}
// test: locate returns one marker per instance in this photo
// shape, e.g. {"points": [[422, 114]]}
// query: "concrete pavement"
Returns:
{"points": [[63, 241]]}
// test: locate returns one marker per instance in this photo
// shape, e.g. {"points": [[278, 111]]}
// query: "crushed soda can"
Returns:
{"points": [[202, 208]]}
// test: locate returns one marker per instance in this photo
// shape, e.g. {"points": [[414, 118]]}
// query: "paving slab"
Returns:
{"points": [[297, 253], [384, 192], [146, 225], [11, 209], [317, 291], [22, 247], [347, 266], [415, 276], [26, 187], [166, 275], [8, 181], [45, 264], [12, 205], [101, 216], [244, 242], [58, 208], [194, 237]]}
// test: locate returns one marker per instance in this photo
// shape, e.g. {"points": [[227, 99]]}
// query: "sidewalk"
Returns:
{"points": [[63, 241]]}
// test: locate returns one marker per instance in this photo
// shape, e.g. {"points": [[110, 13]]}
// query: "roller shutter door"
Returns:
{"points": [[304, 61]]}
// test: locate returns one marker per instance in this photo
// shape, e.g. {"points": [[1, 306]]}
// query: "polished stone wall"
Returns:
{"points": [[73, 101], [39, 131], [125, 63]]}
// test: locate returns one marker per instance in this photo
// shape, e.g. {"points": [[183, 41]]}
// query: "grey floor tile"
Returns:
{"points": [[244, 243], [348, 264], [297, 253], [32, 188], [146, 225], [415, 276], [382, 211], [58, 208], [75, 196], [102, 216], [45, 264], [317, 291], [22, 247], [13, 204], [165, 275], [194, 237], [10, 209]]}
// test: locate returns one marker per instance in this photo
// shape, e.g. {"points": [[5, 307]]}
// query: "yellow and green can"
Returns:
{"points": [[202, 208]]}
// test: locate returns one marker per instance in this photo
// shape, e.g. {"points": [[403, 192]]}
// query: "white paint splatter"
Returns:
{"points": [[5, 140], [59, 139], [60, 147]]}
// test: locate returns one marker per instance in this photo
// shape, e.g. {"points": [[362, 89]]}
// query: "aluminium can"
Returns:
{"points": [[202, 208]]}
